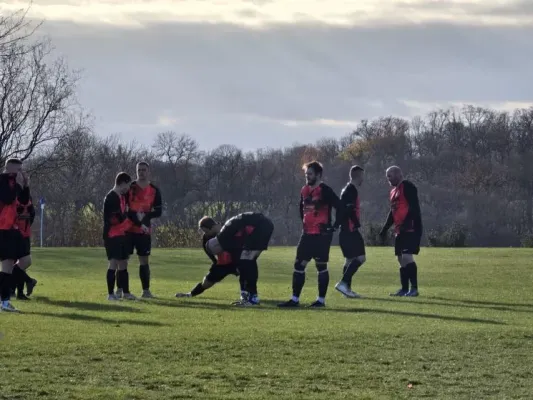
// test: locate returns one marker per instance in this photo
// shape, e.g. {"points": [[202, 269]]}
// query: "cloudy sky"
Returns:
{"points": [[271, 73]]}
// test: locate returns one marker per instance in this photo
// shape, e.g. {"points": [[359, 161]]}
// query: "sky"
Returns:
{"points": [[271, 73]]}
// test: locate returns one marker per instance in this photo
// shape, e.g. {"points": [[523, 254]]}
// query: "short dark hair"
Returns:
{"points": [[122, 177], [143, 163], [16, 161], [207, 222], [315, 166], [355, 169]]}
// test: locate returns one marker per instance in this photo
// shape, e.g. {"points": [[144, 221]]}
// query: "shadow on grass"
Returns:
{"points": [[453, 303], [485, 303], [271, 305], [86, 306], [90, 318]]}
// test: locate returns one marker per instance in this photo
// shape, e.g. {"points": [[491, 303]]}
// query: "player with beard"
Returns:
{"points": [[316, 203], [223, 264], [145, 204], [249, 234], [350, 239], [406, 217]]}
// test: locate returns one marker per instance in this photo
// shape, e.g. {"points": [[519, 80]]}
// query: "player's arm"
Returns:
{"points": [[348, 201], [301, 206], [112, 212], [8, 194], [131, 214], [228, 231], [31, 211], [388, 223], [332, 200], [414, 214], [157, 208], [24, 195], [204, 245]]}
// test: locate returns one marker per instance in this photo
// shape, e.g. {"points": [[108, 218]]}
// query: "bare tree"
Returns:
{"points": [[37, 96]]}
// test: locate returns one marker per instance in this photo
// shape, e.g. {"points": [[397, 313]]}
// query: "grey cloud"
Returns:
{"points": [[518, 8], [213, 75]]}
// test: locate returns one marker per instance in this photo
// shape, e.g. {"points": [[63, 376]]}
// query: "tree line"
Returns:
{"points": [[470, 164]]}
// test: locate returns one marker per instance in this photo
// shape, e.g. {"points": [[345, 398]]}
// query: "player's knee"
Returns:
{"points": [[361, 259], [299, 266], [122, 265], [113, 265], [407, 259], [321, 267], [143, 260], [250, 254]]}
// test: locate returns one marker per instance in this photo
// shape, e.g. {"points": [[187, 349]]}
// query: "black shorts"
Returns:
{"points": [[352, 244], [24, 248], [219, 272], [314, 247], [117, 248], [10, 244], [260, 237], [140, 242], [407, 243]]}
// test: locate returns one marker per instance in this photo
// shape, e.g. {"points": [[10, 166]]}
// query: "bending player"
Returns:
{"points": [[248, 233], [222, 265]]}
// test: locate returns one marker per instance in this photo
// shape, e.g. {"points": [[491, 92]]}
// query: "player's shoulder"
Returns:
{"points": [[408, 184], [154, 186]]}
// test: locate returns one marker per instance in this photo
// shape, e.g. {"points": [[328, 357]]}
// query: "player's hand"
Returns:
{"points": [[145, 228], [182, 295], [140, 216]]}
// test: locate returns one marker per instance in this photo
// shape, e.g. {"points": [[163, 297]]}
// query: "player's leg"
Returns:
{"points": [[215, 275], [321, 256], [123, 253], [304, 254], [9, 249], [111, 277], [412, 248], [21, 277], [249, 272], [353, 249], [143, 245], [399, 245], [130, 246], [112, 266]]}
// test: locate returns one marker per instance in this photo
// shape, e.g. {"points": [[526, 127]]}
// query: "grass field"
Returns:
{"points": [[468, 336]]}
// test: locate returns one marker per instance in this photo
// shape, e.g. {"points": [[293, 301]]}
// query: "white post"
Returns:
{"points": [[41, 201]]}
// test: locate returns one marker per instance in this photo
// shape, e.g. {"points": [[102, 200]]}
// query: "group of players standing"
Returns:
{"points": [[233, 247]]}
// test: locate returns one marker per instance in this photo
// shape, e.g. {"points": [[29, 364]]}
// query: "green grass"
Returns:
{"points": [[469, 335]]}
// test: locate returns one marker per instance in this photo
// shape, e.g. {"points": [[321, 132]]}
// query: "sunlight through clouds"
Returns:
{"points": [[261, 13]]}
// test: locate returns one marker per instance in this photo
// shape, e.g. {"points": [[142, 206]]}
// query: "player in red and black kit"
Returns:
{"points": [[316, 203], [350, 239], [12, 182], [248, 233], [406, 217], [145, 204], [116, 224], [223, 264], [25, 218]]}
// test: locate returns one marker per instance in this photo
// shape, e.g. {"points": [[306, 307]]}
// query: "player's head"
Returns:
{"points": [[13, 166], [143, 171], [357, 175], [394, 175], [208, 226], [313, 172], [213, 246], [123, 182]]}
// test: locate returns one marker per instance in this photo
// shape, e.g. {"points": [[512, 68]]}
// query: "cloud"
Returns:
{"points": [[292, 82], [266, 13]]}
